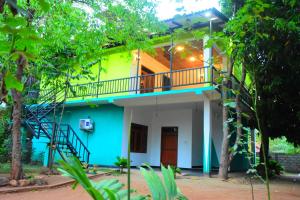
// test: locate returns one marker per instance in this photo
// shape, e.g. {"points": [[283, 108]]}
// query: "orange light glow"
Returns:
{"points": [[192, 59], [180, 48]]}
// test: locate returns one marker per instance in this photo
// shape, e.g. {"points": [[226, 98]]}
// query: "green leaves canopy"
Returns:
{"points": [[265, 36], [68, 37]]}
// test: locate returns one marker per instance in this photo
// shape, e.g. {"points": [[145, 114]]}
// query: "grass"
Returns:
{"points": [[37, 169], [104, 169], [32, 169]]}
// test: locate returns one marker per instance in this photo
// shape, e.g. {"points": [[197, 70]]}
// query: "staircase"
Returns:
{"points": [[65, 139]]}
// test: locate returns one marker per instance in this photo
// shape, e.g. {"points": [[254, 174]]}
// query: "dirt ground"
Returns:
{"points": [[194, 187]]}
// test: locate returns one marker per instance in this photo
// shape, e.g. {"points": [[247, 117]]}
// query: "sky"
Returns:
{"points": [[167, 8]]}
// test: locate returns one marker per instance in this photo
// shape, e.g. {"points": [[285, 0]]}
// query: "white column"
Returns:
{"points": [[207, 129], [127, 118]]}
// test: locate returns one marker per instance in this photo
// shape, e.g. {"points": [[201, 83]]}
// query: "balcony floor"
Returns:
{"points": [[152, 98]]}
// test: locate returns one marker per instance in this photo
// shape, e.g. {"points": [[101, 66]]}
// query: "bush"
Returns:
{"points": [[176, 170], [274, 168], [105, 189], [121, 163], [4, 135], [281, 145], [162, 187]]}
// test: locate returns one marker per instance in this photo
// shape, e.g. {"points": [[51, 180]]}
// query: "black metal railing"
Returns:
{"points": [[245, 94], [64, 137], [67, 137], [145, 83]]}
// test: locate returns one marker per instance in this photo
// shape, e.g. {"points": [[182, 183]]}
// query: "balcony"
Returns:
{"points": [[180, 80], [149, 83]]}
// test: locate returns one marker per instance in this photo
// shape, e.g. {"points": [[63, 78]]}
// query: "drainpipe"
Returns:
{"points": [[171, 62], [137, 71]]}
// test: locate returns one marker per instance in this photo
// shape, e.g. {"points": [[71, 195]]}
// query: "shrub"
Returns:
{"points": [[274, 168], [121, 163], [162, 188], [176, 170], [281, 145], [103, 190]]}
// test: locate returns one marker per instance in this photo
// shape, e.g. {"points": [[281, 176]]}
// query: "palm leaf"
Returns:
{"points": [[102, 190]]}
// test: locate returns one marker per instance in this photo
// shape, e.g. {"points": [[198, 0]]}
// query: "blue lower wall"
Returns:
{"points": [[105, 142]]}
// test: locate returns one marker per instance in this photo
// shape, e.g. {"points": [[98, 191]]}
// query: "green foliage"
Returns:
{"points": [[5, 168], [64, 40], [162, 189], [176, 170], [4, 136], [102, 190], [274, 168], [12, 82], [121, 163], [264, 36], [281, 145]]}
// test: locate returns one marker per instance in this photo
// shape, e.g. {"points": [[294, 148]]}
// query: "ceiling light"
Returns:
{"points": [[192, 59], [180, 48], [207, 14]]}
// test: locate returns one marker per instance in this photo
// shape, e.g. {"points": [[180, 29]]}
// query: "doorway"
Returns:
{"points": [[147, 80], [169, 145]]}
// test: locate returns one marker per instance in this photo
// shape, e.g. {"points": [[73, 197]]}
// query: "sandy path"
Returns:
{"points": [[193, 187]]}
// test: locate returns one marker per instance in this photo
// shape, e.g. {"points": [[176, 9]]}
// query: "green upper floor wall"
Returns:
{"points": [[112, 66], [119, 62]]}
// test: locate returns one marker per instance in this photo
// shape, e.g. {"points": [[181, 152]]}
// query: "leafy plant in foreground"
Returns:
{"points": [[102, 190], [162, 189]]}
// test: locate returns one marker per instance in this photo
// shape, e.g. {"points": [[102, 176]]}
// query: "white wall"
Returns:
{"points": [[217, 127], [197, 140], [141, 116], [189, 121], [155, 120], [178, 118]]}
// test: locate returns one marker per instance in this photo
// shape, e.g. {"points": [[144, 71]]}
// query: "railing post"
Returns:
{"points": [[211, 53], [137, 71], [98, 82], [212, 75], [171, 63]]}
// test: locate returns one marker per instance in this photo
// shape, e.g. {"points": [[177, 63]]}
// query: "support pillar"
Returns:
{"points": [[207, 141]]}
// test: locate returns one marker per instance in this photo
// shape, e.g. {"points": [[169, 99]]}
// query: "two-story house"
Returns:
{"points": [[167, 98]]}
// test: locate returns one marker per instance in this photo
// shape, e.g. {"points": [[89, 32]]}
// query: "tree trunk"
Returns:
{"points": [[16, 164], [239, 128], [265, 142], [224, 164], [223, 169]]}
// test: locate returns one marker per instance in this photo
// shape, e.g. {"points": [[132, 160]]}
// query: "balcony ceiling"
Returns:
{"points": [[198, 19]]}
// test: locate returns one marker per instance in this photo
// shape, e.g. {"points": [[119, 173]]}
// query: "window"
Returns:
{"points": [[138, 138]]}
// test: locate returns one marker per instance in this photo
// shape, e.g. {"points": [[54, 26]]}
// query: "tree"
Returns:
{"points": [[230, 7], [265, 37], [37, 41]]}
